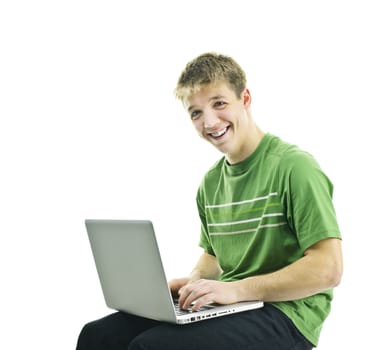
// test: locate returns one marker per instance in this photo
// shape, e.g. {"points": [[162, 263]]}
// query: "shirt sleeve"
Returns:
{"points": [[307, 196]]}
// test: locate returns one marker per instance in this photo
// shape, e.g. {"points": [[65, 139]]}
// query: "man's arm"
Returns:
{"points": [[207, 268], [319, 269]]}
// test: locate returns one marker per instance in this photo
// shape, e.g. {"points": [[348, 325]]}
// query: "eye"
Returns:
{"points": [[195, 114], [219, 104]]}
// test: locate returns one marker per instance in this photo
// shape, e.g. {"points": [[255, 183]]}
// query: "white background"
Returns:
{"points": [[90, 129]]}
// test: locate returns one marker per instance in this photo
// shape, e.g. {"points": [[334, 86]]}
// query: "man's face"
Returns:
{"points": [[220, 117]]}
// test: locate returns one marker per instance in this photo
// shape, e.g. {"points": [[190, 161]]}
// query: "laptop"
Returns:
{"points": [[132, 276]]}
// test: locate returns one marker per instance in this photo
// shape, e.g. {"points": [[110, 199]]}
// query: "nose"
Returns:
{"points": [[210, 120]]}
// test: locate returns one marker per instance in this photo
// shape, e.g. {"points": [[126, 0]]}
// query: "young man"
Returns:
{"points": [[268, 230]]}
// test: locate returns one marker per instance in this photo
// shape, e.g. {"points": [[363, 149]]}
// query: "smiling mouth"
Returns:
{"points": [[218, 134]]}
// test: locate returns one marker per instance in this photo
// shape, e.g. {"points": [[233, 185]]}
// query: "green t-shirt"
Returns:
{"points": [[260, 215]]}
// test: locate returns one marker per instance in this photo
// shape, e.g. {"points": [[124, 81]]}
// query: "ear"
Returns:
{"points": [[247, 99]]}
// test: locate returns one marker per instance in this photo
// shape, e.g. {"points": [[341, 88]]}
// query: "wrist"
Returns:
{"points": [[246, 290], [195, 275]]}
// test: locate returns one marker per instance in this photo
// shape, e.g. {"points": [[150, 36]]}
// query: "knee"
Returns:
{"points": [[137, 344], [154, 339], [141, 343], [88, 337]]}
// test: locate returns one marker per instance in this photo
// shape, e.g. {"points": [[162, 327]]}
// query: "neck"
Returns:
{"points": [[253, 138]]}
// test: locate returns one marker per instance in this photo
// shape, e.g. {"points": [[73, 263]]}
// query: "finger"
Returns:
{"points": [[189, 300], [184, 292], [182, 295], [181, 290], [187, 296], [202, 301], [192, 295]]}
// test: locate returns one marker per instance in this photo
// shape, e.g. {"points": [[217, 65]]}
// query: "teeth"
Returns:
{"points": [[219, 133]]}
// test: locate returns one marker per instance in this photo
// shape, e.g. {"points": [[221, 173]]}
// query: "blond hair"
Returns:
{"points": [[210, 68]]}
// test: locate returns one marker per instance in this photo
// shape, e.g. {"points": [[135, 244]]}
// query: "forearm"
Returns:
{"points": [[292, 282], [309, 275], [207, 267]]}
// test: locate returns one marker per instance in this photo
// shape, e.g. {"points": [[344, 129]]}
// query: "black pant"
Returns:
{"points": [[261, 329]]}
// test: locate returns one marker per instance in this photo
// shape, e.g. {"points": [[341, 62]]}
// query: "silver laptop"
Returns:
{"points": [[132, 276]]}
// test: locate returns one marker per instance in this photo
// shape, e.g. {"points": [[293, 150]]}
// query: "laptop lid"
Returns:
{"points": [[129, 267]]}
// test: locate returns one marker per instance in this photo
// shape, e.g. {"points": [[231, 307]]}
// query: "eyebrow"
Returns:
{"points": [[217, 97]]}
